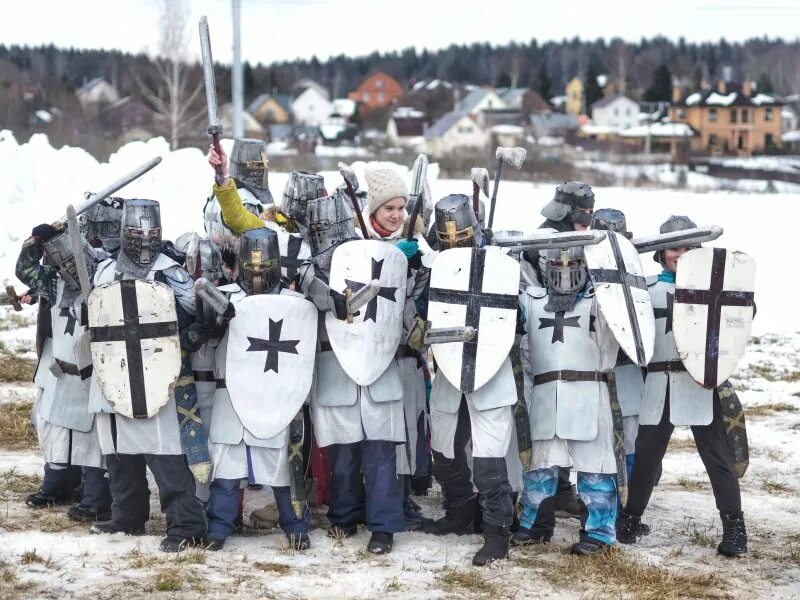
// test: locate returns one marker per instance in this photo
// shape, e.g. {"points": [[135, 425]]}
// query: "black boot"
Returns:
{"points": [[535, 535], [630, 528], [734, 535], [298, 541], [42, 499], [495, 545], [459, 519], [412, 516], [86, 514], [588, 546], [380, 543], [342, 531], [566, 504], [178, 543]]}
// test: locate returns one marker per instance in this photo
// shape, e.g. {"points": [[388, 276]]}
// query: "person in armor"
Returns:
{"points": [[288, 220], [65, 428], [130, 445], [569, 210], [571, 351], [100, 225], [237, 453], [671, 397], [459, 419]]}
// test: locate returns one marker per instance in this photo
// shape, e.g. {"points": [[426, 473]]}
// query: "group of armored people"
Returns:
{"points": [[376, 421]]}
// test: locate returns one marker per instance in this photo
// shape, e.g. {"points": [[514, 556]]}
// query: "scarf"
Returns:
{"points": [[384, 233], [666, 276]]}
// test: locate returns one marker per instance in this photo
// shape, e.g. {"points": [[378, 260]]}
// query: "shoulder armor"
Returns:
{"points": [[177, 274], [536, 292]]}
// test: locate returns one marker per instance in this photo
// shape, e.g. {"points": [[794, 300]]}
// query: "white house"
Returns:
{"points": [[456, 132], [615, 113], [311, 106], [479, 99], [96, 92]]}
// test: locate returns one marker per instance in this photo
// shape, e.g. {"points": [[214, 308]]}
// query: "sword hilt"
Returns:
{"points": [[347, 293], [13, 299]]}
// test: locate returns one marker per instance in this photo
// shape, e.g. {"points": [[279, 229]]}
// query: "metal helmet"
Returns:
{"points": [[330, 222], [249, 167], [141, 231], [565, 275], [259, 269], [100, 224], [300, 189], [610, 219], [61, 255], [569, 199], [204, 259], [674, 223], [456, 225]]}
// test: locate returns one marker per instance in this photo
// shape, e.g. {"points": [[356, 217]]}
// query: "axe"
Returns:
{"points": [[511, 156], [214, 127], [351, 182], [11, 298]]}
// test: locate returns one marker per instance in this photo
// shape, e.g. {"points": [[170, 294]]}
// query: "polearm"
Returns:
{"points": [[510, 156], [103, 194], [214, 128]]}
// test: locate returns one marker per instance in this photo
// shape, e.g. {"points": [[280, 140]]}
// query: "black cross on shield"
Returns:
{"points": [[291, 262], [665, 313], [388, 293], [558, 323], [273, 346], [474, 298], [132, 332], [715, 297]]}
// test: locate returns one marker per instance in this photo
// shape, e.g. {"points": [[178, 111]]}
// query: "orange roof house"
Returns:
{"points": [[377, 91]]}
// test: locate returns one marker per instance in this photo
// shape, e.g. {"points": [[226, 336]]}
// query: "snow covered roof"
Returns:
{"points": [[344, 106], [674, 130], [407, 112], [733, 98], [727, 100], [284, 100], [592, 129], [507, 130], [605, 101], [693, 99], [760, 99], [791, 136], [468, 103]]}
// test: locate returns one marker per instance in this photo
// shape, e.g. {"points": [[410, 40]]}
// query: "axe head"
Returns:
{"points": [[511, 156], [347, 173], [480, 177]]}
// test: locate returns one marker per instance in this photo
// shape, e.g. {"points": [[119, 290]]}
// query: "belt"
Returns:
{"points": [[667, 366], [325, 347], [568, 375], [73, 370], [221, 384], [203, 376], [404, 351]]}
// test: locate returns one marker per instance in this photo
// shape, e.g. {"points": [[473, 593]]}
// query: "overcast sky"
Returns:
{"points": [[286, 29]]}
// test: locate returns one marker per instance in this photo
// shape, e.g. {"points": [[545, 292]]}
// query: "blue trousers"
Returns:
{"points": [[597, 491], [365, 486], [223, 505]]}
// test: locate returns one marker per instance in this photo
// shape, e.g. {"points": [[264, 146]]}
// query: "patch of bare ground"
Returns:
{"points": [[768, 410], [16, 429], [14, 368]]}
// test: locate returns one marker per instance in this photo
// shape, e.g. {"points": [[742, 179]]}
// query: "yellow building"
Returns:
{"points": [[575, 97], [730, 119], [271, 109]]}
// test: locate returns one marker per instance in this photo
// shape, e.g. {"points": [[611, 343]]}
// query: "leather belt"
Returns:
{"points": [[204, 376], [73, 370], [221, 384], [667, 366], [569, 375]]}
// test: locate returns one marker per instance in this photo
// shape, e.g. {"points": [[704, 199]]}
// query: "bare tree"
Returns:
{"points": [[173, 96]]}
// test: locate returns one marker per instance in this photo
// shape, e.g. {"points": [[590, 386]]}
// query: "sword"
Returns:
{"points": [[447, 335], [677, 239], [93, 199], [216, 300], [547, 240], [351, 183], [356, 300], [11, 298], [83, 348], [214, 127], [419, 173]]}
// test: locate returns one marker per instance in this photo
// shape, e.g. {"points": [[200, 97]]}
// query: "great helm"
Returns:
{"points": [[565, 276], [249, 167], [100, 224], [204, 259], [330, 222], [259, 264], [60, 254], [300, 189], [141, 231], [610, 219], [456, 225], [569, 199]]}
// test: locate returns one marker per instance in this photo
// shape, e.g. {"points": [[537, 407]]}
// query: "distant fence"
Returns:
{"points": [[717, 170]]}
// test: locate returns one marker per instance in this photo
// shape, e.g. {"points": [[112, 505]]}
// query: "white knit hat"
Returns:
{"points": [[384, 183]]}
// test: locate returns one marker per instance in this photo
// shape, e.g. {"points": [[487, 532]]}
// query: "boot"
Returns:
{"points": [[345, 530], [298, 541], [734, 535], [459, 519], [535, 535], [588, 546], [42, 499], [566, 504], [495, 545], [213, 544], [178, 543], [380, 543], [412, 515], [630, 528], [85, 514], [111, 527]]}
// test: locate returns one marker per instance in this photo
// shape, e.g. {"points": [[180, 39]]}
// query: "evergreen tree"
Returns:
{"points": [[503, 80], [764, 84], [542, 83], [591, 88], [660, 89], [248, 79]]}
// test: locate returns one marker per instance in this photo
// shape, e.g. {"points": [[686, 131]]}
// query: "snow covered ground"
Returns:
{"points": [[43, 555]]}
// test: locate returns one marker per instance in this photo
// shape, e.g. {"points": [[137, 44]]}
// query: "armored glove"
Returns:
{"points": [[339, 305], [416, 335], [197, 334]]}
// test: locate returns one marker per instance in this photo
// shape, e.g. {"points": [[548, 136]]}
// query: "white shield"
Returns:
{"points": [[366, 346], [136, 352], [474, 287], [621, 291], [712, 312], [269, 364], [294, 250]]}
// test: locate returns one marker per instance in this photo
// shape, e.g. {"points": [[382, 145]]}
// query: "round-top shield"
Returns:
{"points": [[474, 287], [712, 312], [366, 346], [269, 364], [136, 352], [621, 291]]}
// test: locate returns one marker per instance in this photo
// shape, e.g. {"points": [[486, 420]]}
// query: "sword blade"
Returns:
{"points": [[446, 335], [677, 239], [117, 185], [547, 240], [208, 74], [77, 251], [358, 299]]}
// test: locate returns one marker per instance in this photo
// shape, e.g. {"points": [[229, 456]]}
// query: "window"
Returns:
{"points": [[616, 112], [745, 115], [712, 139], [627, 112], [768, 115], [733, 115], [465, 129], [379, 84], [768, 140], [712, 115], [681, 113], [380, 98], [365, 96]]}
